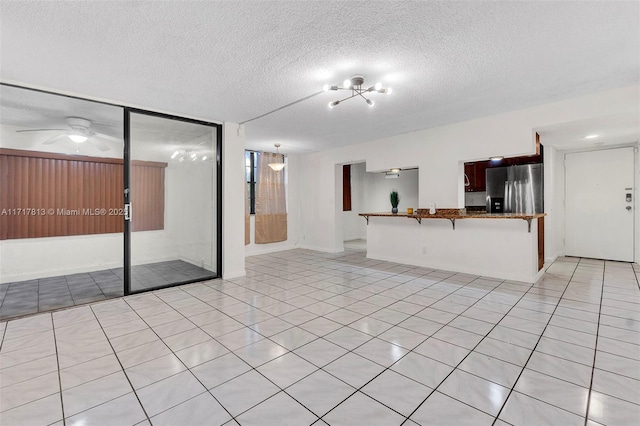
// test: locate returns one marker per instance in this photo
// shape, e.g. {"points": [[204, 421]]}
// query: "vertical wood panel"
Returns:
{"points": [[4, 193], [346, 188], [70, 192]]}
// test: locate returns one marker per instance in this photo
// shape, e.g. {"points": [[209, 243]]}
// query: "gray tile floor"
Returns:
{"points": [[312, 338], [46, 294]]}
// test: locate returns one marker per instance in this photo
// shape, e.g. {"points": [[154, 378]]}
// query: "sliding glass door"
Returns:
{"points": [[99, 200], [171, 201]]}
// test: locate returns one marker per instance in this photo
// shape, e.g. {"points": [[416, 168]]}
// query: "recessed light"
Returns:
{"points": [[591, 136]]}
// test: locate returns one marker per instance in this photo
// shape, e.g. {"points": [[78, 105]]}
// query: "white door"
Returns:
{"points": [[599, 220]]}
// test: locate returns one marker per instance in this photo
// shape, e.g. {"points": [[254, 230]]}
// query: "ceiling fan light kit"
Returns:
{"points": [[78, 131], [354, 84]]}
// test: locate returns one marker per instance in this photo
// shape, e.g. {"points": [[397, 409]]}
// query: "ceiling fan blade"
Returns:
{"points": [[53, 139], [40, 130], [99, 144], [109, 138]]}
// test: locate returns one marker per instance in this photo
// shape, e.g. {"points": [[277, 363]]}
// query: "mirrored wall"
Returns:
{"points": [[65, 163]]}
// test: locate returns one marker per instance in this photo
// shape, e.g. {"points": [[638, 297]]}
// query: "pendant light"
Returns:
{"points": [[277, 166]]}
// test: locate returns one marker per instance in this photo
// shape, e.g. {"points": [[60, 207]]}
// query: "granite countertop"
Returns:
{"points": [[456, 214]]}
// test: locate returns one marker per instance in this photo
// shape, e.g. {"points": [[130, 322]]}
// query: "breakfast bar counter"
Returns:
{"points": [[470, 244], [456, 214]]}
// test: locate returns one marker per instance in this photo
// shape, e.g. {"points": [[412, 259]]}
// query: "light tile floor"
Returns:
{"points": [[311, 338]]}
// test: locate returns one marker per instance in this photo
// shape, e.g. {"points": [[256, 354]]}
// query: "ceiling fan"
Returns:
{"points": [[79, 131]]}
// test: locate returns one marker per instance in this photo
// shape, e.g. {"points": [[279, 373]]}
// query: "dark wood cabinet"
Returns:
{"points": [[475, 172], [475, 176]]}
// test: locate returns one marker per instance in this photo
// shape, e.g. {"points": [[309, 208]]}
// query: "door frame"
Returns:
{"points": [[635, 192], [127, 202]]}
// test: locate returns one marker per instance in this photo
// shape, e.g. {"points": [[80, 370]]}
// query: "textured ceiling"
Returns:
{"points": [[232, 61]]}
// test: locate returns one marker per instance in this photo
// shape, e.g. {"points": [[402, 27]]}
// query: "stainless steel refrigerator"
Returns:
{"points": [[515, 189]]}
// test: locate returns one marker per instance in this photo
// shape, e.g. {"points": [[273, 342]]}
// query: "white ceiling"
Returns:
{"points": [[235, 60]]}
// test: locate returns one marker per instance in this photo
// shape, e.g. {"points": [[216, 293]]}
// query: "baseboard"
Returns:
{"points": [[321, 249], [461, 269], [234, 274], [267, 249], [56, 273]]}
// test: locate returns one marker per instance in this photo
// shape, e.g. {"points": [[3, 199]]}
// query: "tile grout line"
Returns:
{"points": [[121, 367], [317, 337], [4, 332], [595, 350], [469, 353], [427, 337], [174, 354], [515, 383], [55, 343], [441, 279]]}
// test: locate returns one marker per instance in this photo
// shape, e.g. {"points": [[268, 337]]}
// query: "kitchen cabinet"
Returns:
{"points": [[475, 175], [476, 171]]}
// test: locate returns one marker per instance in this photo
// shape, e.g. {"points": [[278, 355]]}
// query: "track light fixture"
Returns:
{"points": [[354, 84]]}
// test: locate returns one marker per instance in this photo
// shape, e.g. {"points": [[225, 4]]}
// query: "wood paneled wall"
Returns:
{"points": [[147, 195], [51, 195]]}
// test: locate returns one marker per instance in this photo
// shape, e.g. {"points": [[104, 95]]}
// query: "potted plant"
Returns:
{"points": [[395, 199]]}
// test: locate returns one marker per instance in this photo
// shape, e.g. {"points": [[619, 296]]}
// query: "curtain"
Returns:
{"points": [[247, 216], [271, 203]]}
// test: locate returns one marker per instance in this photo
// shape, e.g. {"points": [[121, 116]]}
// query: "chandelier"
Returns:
{"points": [[354, 84], [277, 166]]}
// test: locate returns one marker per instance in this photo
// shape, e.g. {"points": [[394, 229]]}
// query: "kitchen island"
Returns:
{"points": [[465, 242]]}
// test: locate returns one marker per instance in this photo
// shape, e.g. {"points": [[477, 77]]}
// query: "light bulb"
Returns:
{"points": [[174, 155], [193, 155], [334, 103], [370, 102], [78, 138], [325, 88], [346, 83], [378, 86], [204, 158]]}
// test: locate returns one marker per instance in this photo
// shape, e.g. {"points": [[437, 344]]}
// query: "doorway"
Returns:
{"points": [[600, 201]]}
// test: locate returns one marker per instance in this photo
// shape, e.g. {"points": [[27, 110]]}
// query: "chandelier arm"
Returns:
{"points": [[362, 96], [349, 97]]}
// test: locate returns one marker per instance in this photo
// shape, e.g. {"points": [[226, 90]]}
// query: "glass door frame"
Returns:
{"points": [[126, 178], [127, 201]]}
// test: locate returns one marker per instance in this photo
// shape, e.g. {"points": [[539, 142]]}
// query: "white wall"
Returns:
{"points": [[553, 203], [378, 188], [233, 182], [440, 153], [189, 229], [292, 178], [492, 248]]}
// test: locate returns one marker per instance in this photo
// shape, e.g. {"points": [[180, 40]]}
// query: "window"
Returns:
{"points": [[251, 167]]}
